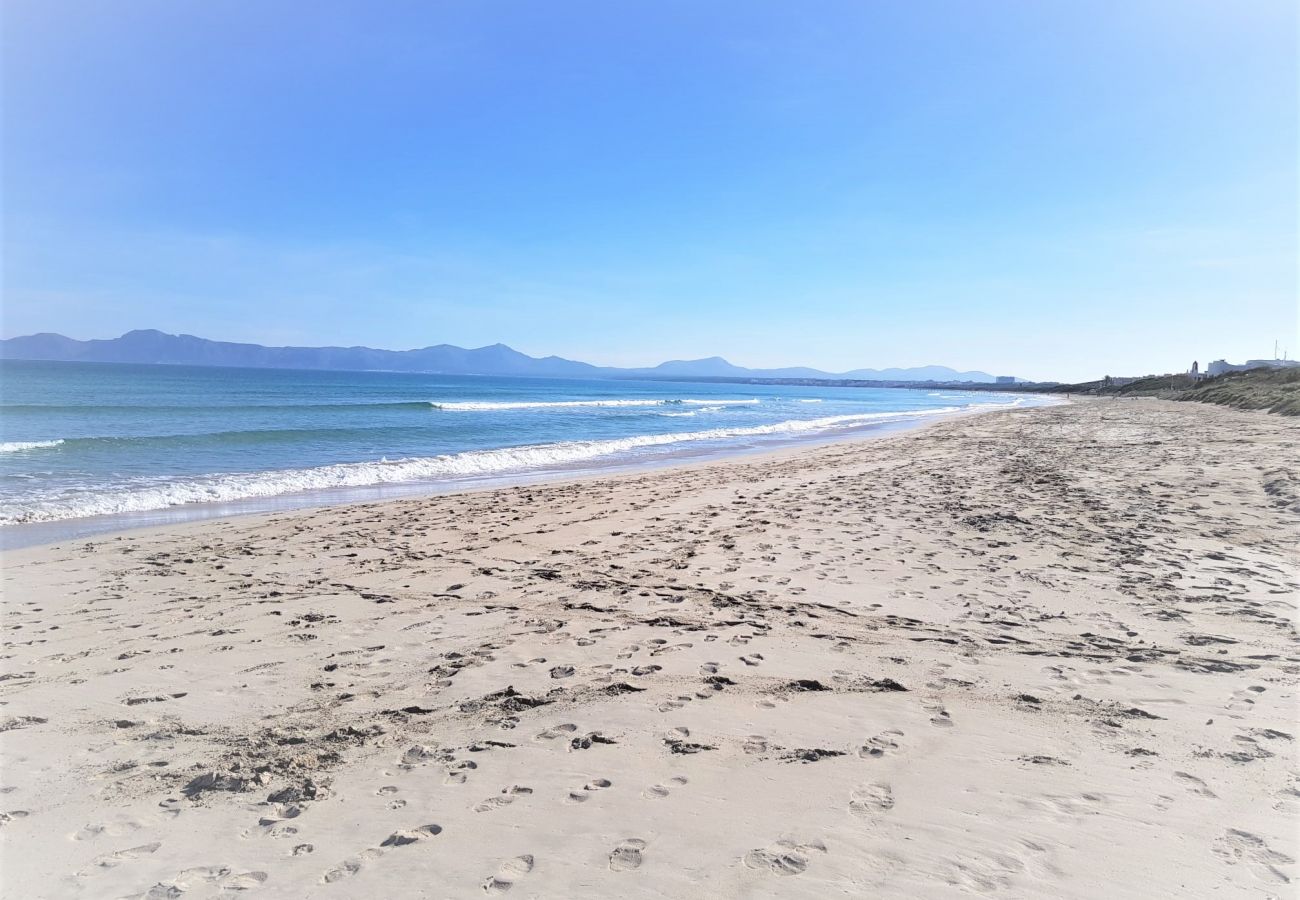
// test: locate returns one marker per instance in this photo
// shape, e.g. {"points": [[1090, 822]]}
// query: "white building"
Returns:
{"points": [[1219, 366]]}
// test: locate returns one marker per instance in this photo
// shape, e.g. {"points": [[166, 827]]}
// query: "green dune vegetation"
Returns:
{"points": [[1274, 389]]}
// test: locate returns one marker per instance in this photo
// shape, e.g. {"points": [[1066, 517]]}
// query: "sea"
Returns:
{"points": [[87, 448]]}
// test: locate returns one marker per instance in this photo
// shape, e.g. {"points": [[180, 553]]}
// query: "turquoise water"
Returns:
{"points": [[88, 440]]}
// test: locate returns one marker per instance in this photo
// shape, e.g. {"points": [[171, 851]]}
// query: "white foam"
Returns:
{"points": [[555, 404], [223, 488], [810, 400], [21, 446], [693, 412], [484, 405]]}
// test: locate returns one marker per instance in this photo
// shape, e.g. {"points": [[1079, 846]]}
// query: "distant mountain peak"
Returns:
{"points": [[149, 345]]}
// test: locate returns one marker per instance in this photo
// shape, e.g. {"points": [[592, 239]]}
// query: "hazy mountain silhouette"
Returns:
{"points": [[151, 346]]}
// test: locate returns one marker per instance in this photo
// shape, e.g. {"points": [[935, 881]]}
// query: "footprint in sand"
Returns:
{"points": [[510, 871], [459, 772], [985, 874], [410, 836], [660, 791], [508, 795], [869, 800], [627, 855], [116, 858], [938, 715], [783, 857], [243, 881], [582, 796], [350, 867], [1194, 784], [280, 812], [419, 754], [878, 746], [387, 791], [1288, 800], [111, 829], [556, 731], [1264, 862], [221, 876]]}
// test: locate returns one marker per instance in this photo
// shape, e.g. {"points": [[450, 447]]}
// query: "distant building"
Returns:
{"points": [[1005, 379], [1219, 366]]}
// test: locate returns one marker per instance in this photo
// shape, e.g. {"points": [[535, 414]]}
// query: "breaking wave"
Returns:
{"points": [[156, 493], [22, 446], [485, 405], [693, 412]]}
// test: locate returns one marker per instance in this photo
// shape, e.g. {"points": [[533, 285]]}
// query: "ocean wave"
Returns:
{"points": [[486, 405], [810, 400], [224, 488], [252, 437], [22, 446], [693, 412], [91, 408]]}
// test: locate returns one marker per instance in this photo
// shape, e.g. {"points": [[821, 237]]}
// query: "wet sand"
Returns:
{"points": [[1046, 652]]}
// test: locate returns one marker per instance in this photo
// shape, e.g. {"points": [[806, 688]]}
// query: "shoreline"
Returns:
{"points": [[28, 535], [1029, 654]]}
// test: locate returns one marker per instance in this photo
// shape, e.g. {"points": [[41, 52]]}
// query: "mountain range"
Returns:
{"points": [[157, 347]]}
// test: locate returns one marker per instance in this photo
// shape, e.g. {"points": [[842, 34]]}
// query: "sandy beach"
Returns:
{"points": [[1036, 653]]}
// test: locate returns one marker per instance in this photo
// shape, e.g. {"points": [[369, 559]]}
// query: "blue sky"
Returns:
{"points": [[1059, 190]]}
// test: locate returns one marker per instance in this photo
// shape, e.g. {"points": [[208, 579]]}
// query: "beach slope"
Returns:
{"points": [[1045, 652]]}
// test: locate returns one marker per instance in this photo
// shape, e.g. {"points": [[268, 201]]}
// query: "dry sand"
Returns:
{"points": [[1039, 653]]}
